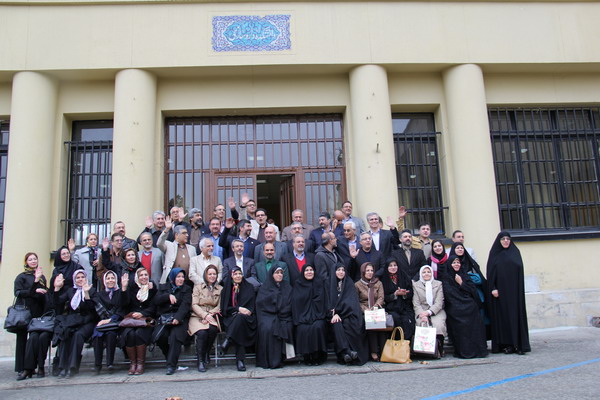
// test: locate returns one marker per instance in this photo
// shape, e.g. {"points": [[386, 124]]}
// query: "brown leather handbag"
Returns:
{"points": [[396, 351]]}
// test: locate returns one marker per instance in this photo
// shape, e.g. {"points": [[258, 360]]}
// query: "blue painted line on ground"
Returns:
{"points": [[513, 379]]}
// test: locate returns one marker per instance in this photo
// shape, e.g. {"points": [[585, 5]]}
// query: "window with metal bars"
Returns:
{"points": [[547, 166], [417, 170], [4, 129], [90, 180]]}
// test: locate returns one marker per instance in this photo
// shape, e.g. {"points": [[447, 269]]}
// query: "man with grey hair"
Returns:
{"points": [[366, 253], [239, 260], [199, 263], [296, 230], [198, 229], [349, 241], [177, 253], [326, 258], [297, 217], [383, 240], [151, 257], [270, 237], [155, 224]]}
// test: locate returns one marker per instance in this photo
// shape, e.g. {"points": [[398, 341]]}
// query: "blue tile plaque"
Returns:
{"points": [[251, 33]]}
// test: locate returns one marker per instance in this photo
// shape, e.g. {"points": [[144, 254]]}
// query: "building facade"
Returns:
{"points": [[477, 116]]}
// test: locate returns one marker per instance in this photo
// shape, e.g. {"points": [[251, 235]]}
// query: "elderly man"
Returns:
{"points": [[238, 259], [326, 258], [227, 238], [115, 255], [197, 227], [296, 229], [366, 253], [155, 224], [268, 261], [119, 227], [459, 237], [297, 217], [215, 235], [199, 263], [280, 248], [297, 258], [151, 257], [177, 253], [410, 260], [347, 210], [348, 242]]}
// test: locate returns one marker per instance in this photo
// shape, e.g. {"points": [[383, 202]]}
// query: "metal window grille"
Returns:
{"points": [[547, 166], [417, 170], [4, 130], [90, 181], [209, 159]]}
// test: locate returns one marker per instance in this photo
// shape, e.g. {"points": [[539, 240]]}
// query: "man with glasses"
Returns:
{"points": [[128, 243], [297, 217], [366, 253], [177, 253], [347, 242], [151, 257]]}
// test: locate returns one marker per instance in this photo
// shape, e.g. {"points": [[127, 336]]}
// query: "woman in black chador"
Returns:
{"points": [[309, 309], [237, 306], [464, 321], [347, 320], [507, 305], [398, 296], [274, 314]]}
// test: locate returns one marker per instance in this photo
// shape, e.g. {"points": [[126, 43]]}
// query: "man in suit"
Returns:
{"points": [[151, 257], [409, 259], [280, 247], [263, 267], [347, 242], [326, 258], [155, 224], [296, 229], [383, 240], [347, 210], [238, 259], [206, 257], [244, 229], [177, 253], [297, 216], [366, 253], [326, 224], [297, 258]]}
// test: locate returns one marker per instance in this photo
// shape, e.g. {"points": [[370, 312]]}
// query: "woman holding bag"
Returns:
{"points": [[370, 296], [428, 302]]}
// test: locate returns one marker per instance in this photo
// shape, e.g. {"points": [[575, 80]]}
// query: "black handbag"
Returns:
{"points": [[45, 323], [162, 322], [110, 326], [166, 319], [17, 318]]}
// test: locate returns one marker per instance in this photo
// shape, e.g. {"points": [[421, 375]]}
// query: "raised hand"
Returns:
{"points": [[389, 221], [181, 214], [168, 223], [231, 202], [245, 199], [87, 287], [402, 212], [38, 273], [353, 251], [149, 222], [71, 245], [124, 281], [59, 282], [229, 222], [105, 243]]}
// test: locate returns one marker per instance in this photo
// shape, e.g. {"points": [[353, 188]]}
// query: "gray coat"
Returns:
{"points": [[158, 261]]}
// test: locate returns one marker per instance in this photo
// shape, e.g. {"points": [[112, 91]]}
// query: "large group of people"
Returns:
{"points": [[281, 294]]}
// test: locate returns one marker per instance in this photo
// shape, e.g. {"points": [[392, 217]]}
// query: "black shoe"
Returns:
{"points": [[70, 373], [308, 359], [201, 367], [509, 350], [354, 355], [97, 369], [347, 358], [110, 369], [222, 348], [520, 352], [62, 374], [170, 370], [240, 366], [25, 374], [40, 372]]}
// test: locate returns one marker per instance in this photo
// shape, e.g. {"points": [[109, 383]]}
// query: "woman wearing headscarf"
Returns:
{"points": [[465, 324], [346, 318], [65, 266], [87, 256], [109, 309], [397, 288], [137, 298], [370, 296], [438, 259], [78, 310], [31, 291], [428, 302], [237, 306], [309, 308], [274, 315], [206, 309], [510, 332], [127, 265], [173, 302]]}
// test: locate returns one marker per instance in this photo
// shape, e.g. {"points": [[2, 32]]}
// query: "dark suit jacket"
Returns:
{"points": [[376, 259], [261, 270], [343, 249], [225, 242], [387, 243], [280, 250], [248, 267], [316, 234], [290, 260], [309, 246], [417, 260]]}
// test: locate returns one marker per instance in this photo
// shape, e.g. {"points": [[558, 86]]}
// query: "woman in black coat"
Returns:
{"points": [[510, 332], [109, 308], [63, 264], [438, 259], [274, 315], [128, 265], [309, 310], [398, 296], [347, 321], [30, 290], [173, 303], [77, 319], [137, 303], [464, 321], [237, 306]]}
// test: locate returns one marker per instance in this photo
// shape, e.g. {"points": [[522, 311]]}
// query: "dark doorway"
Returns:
{"points": [[275, 193]]}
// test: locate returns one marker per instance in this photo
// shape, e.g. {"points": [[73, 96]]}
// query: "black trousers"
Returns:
{"points": [[36, 349], [204, 341], [132, 337], [20, 351], [70, 348], [170, 344], [108, 339]]}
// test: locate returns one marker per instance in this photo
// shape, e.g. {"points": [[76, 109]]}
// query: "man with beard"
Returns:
{"points": [[280, 248], [410, 260], [155, 224], [297, 258], [326, 257], [197, 227], [227, 238]]}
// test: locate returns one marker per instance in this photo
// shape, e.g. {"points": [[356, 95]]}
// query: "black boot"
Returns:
{"points": [[241, 366], [223, 347], [200, 351]]}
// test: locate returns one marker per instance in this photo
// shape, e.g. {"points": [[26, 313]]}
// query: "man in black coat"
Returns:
{"points": [[295, 230], [244, 229], [366, 253], [347, 242], [238, 259], [383, 240], [297, 258], [326, 258], [410, 260]]}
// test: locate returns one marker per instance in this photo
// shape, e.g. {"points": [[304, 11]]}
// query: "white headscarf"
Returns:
{"points": [[428, 286], [142, 294], [78, 296]]}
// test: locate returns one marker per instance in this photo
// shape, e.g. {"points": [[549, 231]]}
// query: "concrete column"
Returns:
{"points": [[29, 177], [134, 141], [470, 152], [371, 160]]}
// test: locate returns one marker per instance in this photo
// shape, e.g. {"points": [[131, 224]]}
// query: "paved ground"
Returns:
{"points": [[564, 364]]}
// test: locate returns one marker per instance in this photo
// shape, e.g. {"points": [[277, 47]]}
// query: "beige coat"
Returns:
{"points": [[363, 295], [438, 319], [204, 302]]}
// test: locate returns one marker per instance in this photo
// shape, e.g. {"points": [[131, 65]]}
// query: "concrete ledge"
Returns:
{"points": [[562, 308]]}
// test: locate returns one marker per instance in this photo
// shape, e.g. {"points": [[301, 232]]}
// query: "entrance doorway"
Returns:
{"points": [[275, 193]]}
